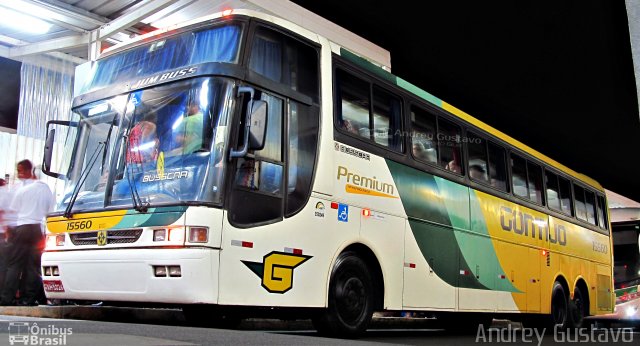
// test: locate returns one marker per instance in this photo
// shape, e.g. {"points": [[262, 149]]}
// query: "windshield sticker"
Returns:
{"points": [[353, 152], [362, 185], [163, 77], [165, 176]]}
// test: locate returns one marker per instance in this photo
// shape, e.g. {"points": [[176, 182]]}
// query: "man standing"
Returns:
{"points": [[7, 225], [31, 203]]}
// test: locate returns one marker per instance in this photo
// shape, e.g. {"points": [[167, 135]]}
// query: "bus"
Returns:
{"points": [[625, 228], [243, 164]]}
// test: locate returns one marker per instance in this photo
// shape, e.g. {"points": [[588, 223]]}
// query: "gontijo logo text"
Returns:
{"points": [[276, 270], [364, 185]]}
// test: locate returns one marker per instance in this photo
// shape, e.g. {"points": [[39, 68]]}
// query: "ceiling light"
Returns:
{"points": [[23, 22]]}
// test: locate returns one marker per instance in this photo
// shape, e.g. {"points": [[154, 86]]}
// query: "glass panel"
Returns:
{"points": [[273, 142], [424, 145], [602, 217], [478, 168], [450, 146], [581, 209], [93, 153], [354, 105], [535, 182], [386, 119], [498, 166], [174, 147], [590, 203], [285, 60], [303, 145], [519, 176], [565, 196], [220, 44], [553, 191]]}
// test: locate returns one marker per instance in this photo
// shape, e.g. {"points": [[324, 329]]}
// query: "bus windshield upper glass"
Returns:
{"points": [[157, 146], [217, 44]]}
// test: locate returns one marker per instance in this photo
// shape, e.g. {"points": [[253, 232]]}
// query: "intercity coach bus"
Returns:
{"points": [[243, 164]]}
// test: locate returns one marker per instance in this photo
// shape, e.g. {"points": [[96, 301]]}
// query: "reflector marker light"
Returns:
{"points": [[241, 243], [334, 205], [366, 212], [226, 12], [409, 265], [544, 252], [293, 251], [464, 272], [502, 276]]}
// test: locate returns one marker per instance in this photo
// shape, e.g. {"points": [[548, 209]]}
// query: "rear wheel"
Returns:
{"points": [[559, 308], [578, 308], [351, 299]]}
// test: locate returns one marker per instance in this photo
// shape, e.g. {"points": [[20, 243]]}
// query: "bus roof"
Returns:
{"points": [[462, 115]]}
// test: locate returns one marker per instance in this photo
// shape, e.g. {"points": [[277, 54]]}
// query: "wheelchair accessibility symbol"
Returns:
{"points": [[343, 212]]}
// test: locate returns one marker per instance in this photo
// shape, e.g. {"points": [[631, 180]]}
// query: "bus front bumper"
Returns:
{"points": [[130, 275]]}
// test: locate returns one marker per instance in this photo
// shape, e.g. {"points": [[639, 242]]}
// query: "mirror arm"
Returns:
{"points": [[245, 142]]}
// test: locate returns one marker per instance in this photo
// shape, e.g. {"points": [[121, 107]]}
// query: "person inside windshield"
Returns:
{"points": [[143, 143], [187, 131]]}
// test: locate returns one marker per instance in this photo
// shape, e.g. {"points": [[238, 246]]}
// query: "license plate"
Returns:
{"points": [[53, 285]]}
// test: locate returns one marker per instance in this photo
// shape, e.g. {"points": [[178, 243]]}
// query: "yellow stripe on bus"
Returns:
{"points": [[98, 221]]}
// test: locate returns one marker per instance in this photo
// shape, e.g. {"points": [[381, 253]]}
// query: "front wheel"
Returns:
{"points": [[350, 299]]}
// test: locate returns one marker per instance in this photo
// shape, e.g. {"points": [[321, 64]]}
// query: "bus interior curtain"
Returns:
{"points": [[266, 58], [215, 45]]}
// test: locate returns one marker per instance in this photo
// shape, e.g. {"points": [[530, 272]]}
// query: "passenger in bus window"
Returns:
{"points": [[348, 126], [425, 151], [477, 171], [187, 131], [143, 143]]}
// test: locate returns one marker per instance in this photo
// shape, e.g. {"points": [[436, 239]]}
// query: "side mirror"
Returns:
{"points": [[49, 146], [258, 129], [48, 154]]}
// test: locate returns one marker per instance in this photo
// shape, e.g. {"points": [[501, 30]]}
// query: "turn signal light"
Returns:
{"points": [[198, 234]]}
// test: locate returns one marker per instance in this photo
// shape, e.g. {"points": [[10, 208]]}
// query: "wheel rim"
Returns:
{"points": [[351, 299]]}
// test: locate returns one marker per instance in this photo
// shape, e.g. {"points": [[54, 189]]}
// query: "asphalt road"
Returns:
{"points": [[41, 331]]}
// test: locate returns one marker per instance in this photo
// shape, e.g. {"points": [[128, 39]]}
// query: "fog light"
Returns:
{"points": [[55, 271], [47, 271], [160, 235], [198, 234], [175, 271], [60, 240], [160, 271]]}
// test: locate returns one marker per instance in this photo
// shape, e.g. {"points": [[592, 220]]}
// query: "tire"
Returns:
{"points": [[210, 316], [351, 299], [559, 308], [578, 309]]}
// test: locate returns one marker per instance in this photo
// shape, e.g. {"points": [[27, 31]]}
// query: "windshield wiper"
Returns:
{"points": [[83, 177], [106, 143], [138, 205]]}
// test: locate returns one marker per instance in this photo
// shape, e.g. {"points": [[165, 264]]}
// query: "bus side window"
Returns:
{"points": [[449, 136], [602, 215], [590, 202], [534, 173], [553, 191], [353, 116], [565, 196], [478, 168], [519, 176], [386, 119], [423, 139], [498, 167], [581, 209]]}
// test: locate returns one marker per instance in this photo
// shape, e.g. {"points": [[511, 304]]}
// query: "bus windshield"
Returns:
{"points": [[157, 146]]}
